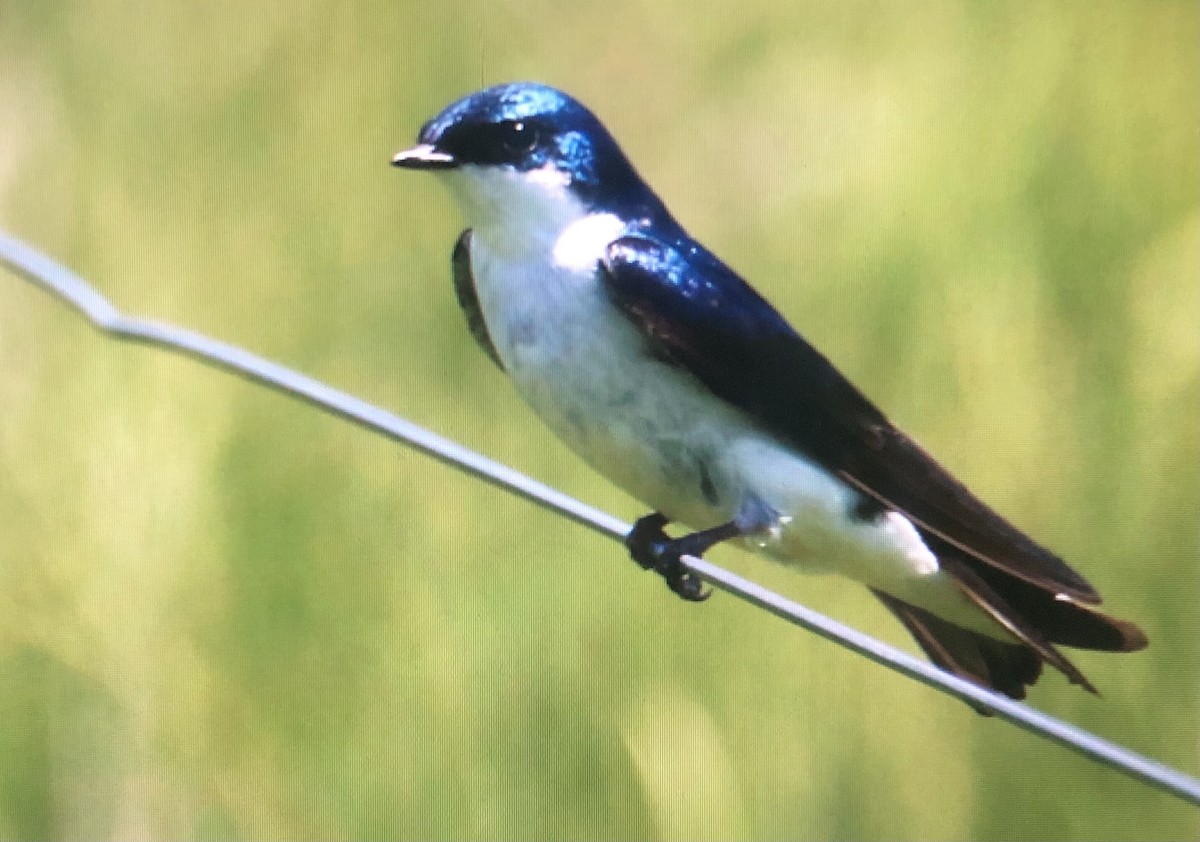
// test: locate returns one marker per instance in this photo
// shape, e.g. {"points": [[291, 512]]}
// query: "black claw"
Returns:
{"points": [[653, 549], [687, 584]]}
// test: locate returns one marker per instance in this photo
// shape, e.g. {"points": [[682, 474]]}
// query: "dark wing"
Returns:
{"points": [[468, 300], [697, 313]]}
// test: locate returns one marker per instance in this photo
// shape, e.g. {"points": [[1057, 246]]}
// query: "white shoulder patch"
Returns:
{"points": [[582, 243]]}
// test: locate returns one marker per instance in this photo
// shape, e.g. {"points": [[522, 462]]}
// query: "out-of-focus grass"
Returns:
{"points": [[223, 615]]}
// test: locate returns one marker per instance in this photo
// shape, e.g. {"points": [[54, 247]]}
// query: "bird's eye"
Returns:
{"points": [[518, 137]]}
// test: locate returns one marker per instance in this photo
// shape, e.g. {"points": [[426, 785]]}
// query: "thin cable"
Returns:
{"points": [[74, 291]]}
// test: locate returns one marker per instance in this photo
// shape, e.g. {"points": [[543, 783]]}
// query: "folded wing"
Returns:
{"points": [[697, 313]]}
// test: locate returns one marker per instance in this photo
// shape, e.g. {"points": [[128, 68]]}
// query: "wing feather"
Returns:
{"points": [[696, 312], [468, 299]]}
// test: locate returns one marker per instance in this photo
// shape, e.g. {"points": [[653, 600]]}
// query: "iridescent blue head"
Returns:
{"points": [[525, 127]]}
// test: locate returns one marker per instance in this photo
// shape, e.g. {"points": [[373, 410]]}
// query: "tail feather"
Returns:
{"points": [[982, 594], [1062, 620], [1037, 619], [1005, 667]]}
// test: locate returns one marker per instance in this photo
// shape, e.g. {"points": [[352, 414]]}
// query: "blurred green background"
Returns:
{"points": [[226, 615]]}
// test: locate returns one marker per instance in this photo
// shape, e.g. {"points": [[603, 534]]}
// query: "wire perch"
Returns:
{"points": [[74, 291]]}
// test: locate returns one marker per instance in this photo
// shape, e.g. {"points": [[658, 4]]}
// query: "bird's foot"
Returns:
{"points": [[653, 549]]}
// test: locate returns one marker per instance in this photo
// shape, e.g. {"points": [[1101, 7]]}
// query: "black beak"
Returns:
{"points": [[424, 156]]}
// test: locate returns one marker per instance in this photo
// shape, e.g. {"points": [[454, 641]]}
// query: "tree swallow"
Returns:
{"points": [[668, 374]]}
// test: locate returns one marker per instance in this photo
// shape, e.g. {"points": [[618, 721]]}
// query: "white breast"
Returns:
{"points": [[535, 257]]}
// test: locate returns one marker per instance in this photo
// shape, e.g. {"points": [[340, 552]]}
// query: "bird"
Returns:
{"points": [[667, 373]]}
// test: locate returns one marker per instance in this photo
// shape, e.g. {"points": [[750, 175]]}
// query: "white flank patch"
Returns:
{"points": [[923, 561], [582, 243]]}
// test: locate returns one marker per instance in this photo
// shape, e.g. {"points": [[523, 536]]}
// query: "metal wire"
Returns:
{"points": [[74, 291]]}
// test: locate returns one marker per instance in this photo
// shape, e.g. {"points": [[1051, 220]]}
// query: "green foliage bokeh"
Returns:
{"points": [[225, 615]]}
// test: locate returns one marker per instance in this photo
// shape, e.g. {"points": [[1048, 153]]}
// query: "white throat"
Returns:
{"points": [[531, 215]]}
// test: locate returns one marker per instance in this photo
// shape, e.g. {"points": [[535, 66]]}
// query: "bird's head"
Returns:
{"points": [[526, 147]]}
